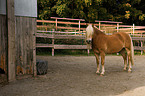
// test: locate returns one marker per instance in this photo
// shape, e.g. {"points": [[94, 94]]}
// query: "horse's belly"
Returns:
{"points": [[114, 48]]}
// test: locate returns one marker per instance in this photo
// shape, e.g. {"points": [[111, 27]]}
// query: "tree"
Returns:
{"points": [[45, 9], [127, 11], [124, 10]]}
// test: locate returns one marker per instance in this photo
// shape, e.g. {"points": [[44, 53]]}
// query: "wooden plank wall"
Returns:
{"points": [[25, 30], [25, 45], [3, 43]]}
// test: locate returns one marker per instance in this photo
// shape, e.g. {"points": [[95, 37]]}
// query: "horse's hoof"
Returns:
{"points": [[98, 73], [129, 71], [124, 69], [102, 75]]}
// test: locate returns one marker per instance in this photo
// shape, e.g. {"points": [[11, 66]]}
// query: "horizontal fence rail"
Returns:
{"points": [[68, 28]]}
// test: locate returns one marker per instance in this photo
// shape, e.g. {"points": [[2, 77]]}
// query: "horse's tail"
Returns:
{"points": [[132, 53]]}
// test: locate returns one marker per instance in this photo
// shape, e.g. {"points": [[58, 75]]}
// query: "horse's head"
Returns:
{"points": [[89, 33]]}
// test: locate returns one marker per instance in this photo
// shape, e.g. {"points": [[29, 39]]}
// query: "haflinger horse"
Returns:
{"points": [[102, 44]]}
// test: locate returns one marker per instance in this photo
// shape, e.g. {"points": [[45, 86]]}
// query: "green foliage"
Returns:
{"points": [[67, 52], [141, 17], [127, 11]]}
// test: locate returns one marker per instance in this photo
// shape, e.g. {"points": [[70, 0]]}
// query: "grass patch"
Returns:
{"points": [[60, 52]]}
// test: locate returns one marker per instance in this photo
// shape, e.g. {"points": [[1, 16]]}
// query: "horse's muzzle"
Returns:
{"points": [[88, 41]]}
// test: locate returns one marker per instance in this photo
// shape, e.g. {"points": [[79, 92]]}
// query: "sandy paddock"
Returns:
{"points": [[75, 76]]}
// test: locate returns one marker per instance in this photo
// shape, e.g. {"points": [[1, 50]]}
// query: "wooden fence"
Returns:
{"points": [[54, 35], [67, 28]]}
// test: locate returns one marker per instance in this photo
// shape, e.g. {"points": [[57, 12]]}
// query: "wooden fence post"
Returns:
{"points": [[99, 25], [117, 27], [117, 31], [88, 51], [56, 24], [11, 40], [53, 42], [34, 50], [79, 25], [141, 45], [133, 28]]}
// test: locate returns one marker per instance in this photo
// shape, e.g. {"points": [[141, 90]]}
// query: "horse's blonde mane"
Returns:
{"points": [[89, 29]]}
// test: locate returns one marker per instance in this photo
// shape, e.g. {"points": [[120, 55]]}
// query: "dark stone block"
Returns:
{"points": [[42, 67]]}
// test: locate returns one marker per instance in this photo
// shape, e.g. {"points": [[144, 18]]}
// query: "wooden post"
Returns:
{"points": [[117, 31], [11, 40], [141, 45], [56, 24], [117, 27], [53, 42], [99, 25], [133, 28], [34, 49], [88, 51], [79, 25]]}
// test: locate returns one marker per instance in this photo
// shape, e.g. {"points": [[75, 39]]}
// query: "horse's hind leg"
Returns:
{"points": [[129, 59], [102, 62], [97, 61], [124, 55]]}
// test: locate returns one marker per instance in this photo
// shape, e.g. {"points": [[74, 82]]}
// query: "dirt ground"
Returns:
{"points": [[75, 76]]}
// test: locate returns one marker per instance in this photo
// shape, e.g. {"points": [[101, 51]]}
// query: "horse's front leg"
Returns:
{"points": [[102, 62], [97, 61]]}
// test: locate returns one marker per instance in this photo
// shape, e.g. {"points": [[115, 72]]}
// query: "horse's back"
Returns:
{"points": [[122, 36], [109, 43], [125, 38]]}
